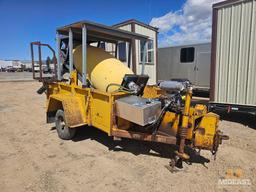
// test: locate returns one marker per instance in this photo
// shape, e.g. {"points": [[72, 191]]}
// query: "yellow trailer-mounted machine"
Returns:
{"points": [[91, 87]]}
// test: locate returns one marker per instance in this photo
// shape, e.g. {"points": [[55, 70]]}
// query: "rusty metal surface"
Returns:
{"points": [[213, 58], [72, 109], [184, 125], [144, 136], [72, 113], [40, 61], [133, 22], [98, 31], [41, 78], [206, 131]]}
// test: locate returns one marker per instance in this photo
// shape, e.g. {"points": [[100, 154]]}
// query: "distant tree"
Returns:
{"points": [[48, 61], [54, 60]]}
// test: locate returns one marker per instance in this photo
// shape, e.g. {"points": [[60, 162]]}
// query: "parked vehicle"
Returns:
{"points": [[3, 69], [36, 67], [186, 62], [19, 70], [11, 69]]}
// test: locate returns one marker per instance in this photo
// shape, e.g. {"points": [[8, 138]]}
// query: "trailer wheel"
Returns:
{"points": [[64, 132]]}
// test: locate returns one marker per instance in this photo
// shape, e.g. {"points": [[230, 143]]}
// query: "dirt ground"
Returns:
{"points": [[15, 76], [33, 158]]}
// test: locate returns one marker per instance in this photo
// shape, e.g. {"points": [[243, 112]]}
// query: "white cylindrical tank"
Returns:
{"points": [[102, 68]]}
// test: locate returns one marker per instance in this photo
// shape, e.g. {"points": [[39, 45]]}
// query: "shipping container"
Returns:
{"points": [[186, 62], [233, 60]]}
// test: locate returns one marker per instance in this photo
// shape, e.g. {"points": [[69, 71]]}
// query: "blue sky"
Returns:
{"points": [[23, 21]]}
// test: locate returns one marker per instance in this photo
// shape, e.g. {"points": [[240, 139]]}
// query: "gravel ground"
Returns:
{"points": [[33, 158], [16, 76]]}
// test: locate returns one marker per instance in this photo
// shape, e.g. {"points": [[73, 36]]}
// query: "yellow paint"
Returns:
{"points": [[95, 55], [186, 111], [108, 72], [171, 121], [152, 91], [102, 68], [72, 105], [85, 106], [206, 130]]}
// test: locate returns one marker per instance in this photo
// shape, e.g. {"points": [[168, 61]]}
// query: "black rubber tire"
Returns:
{"points": [[64, 132]]}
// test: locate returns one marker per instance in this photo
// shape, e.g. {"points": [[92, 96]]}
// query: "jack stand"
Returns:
{"points": [[179, 163], [175, 165]]}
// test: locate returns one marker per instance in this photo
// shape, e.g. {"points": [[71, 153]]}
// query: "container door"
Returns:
{"points": [[185, 68], [202, 69]]}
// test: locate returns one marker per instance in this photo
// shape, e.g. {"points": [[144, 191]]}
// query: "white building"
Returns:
{"points": [[27, 63], [151, 56], [5, 64], [16, 64]]}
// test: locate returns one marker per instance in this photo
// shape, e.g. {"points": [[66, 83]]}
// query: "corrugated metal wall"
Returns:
{"points": [[235, 70]]}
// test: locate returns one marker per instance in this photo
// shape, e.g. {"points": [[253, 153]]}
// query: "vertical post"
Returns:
{"points": [[40, 61], [59, 67], [134, 61], [129, 54], [55, 67], [33, 59], [184, 128], [144, 57], [84, 52], [70, 44], [116, 51]]}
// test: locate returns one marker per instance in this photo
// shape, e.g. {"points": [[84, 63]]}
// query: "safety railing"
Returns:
{"points": [[40, 68]]}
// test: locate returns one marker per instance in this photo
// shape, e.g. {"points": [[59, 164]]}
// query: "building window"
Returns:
{"points": [[112, 49], [122, 51], [149, 52], [102, 45], [187, 54]]}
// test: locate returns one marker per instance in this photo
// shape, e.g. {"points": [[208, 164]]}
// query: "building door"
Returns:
{"points": [[186, 64], [202, 69]]}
